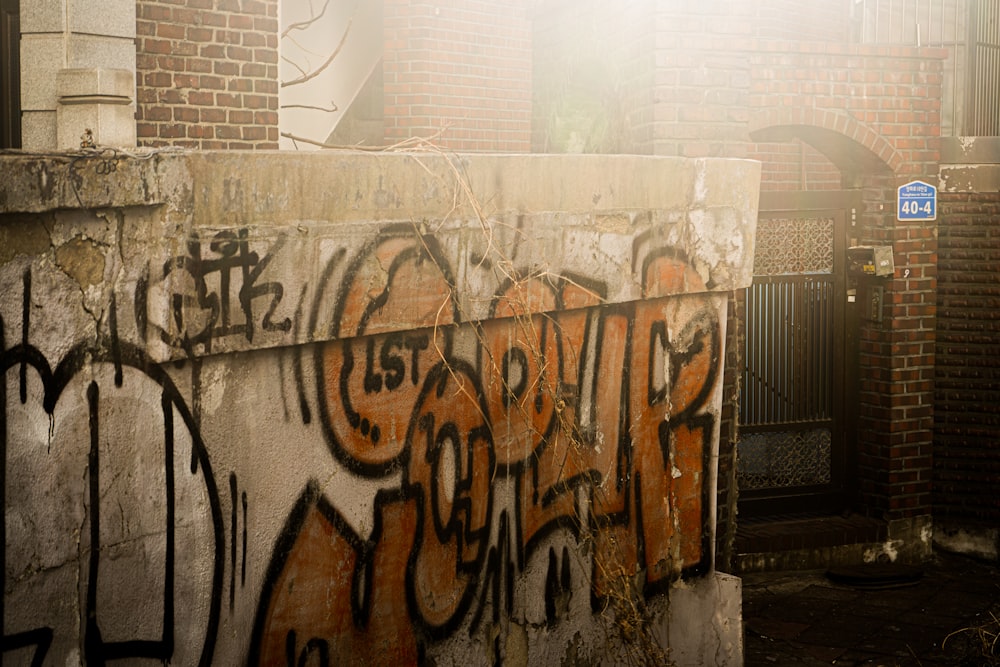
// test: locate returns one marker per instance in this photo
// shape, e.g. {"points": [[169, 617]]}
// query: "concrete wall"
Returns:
{"points": [[264, 408]]}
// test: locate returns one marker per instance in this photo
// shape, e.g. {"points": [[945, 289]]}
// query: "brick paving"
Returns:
{"points": [[803, 618]]}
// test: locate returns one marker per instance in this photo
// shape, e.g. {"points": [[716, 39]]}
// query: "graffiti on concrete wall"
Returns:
{"points": [[213, 292], [549, 412], [101, 464], [555, 413]]}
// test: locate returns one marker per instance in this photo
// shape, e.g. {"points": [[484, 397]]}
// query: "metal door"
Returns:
{"points": [[792, 449]]}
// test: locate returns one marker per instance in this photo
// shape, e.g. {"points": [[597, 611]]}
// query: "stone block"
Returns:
{"points": [[110, 125], [113, 18], [99, 51], [43, 16], [705, 623], [41, 60], [38, 130], [99, 100], [91, 81]]}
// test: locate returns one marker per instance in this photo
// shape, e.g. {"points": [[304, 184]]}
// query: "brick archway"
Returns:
{"points": [[894, 353], [850, 144]]}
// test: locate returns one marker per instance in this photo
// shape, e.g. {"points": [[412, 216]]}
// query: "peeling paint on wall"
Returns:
{"points": [[82, 260]]}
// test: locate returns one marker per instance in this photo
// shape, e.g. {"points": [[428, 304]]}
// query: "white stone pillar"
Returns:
{"points": [[77, 73]]}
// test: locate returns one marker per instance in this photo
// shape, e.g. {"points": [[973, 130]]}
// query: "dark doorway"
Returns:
{"points": [[10, 74], [794, 449]]}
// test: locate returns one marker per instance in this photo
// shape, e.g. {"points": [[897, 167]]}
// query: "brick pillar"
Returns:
{"points": [[461, 69], [896, 369], [967, 365], [702, 79], [207, 73]]}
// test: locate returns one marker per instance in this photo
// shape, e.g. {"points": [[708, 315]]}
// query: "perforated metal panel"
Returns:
{"points": [[788, 246], [785, 459]]}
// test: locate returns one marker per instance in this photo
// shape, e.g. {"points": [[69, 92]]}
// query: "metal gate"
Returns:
{"points": [[791, 450]]}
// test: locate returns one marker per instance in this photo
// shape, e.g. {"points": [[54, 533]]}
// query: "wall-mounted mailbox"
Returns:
{"points": [[870, 260]]}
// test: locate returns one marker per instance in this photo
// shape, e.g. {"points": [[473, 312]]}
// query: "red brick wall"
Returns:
{"points": [[896, 388], [207, 73], [794, 165], [888, 99], [462, 68], [702, 79], [967, 388]]}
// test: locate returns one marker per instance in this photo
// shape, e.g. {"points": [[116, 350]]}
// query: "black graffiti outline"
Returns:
{"points": [[119, 354], [425, 248], [234, 254], [312, 499], [484, 357], [435, 384]]}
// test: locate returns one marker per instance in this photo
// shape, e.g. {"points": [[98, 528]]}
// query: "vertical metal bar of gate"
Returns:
{"points": [[984, 68], [10, 74]]}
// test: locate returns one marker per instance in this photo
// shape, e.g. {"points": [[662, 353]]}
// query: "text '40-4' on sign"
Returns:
{"points": [[916, 200]]}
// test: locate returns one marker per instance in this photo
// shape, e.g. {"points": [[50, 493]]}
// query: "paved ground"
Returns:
{"points": [[803, 618]]}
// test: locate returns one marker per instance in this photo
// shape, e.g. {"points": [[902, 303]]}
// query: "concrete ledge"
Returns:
{"points": [[906, 541], [978, 541], [970, 178], [92, 179], [596, 221], [970, 150]]}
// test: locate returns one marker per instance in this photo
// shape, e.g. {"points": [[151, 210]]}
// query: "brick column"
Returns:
{"points": [[461, 69], [967, 364], [897, 356], [896, 364], [702, 80], [208, 73]]}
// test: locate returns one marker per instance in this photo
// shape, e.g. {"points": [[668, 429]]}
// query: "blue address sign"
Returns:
{"points": [[916, 201]]}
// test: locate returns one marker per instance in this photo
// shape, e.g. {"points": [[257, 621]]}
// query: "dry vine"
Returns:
{"points": [[983, 640], [624, 598]]}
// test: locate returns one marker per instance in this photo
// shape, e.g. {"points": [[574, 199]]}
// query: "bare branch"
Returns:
{"points": [[319, 70], [293, 64], [302, 47], [332, 108], [302, 25], [405, 144]]}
